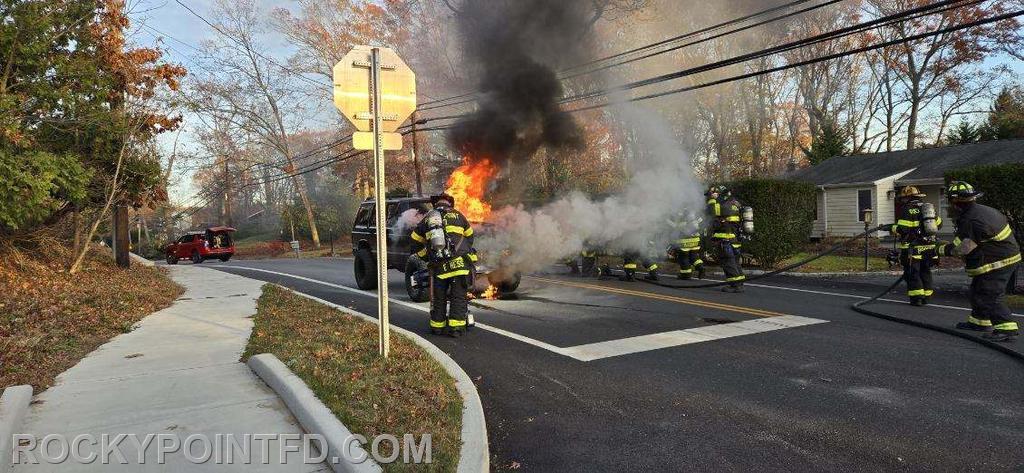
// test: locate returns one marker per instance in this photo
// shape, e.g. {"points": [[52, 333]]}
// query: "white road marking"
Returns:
{"points": [[655, 341], [610, 348]]}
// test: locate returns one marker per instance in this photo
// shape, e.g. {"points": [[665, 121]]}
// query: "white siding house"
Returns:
{"points": [[847, 185]]}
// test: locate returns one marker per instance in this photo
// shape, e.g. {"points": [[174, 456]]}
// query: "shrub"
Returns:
{"points": [[783, 217]]}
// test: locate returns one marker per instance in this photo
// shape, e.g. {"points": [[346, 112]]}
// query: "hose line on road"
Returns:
{"points": [[859, 306], [783, 269], [998, 346]]}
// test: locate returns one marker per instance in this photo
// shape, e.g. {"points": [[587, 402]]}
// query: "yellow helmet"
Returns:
{"points": [[910, 191]]}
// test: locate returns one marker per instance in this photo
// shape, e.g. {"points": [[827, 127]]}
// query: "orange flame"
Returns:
{"points": [[467, 185], [490, 293]]}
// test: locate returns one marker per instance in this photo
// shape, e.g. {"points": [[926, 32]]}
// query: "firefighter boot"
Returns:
{"points": [[974, 327], [917, 301], [652, 275], [700, 271]]}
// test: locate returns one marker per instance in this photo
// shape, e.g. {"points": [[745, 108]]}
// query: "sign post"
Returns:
{"points": [[376, 91]]}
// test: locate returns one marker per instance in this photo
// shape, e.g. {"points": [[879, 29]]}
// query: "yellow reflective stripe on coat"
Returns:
{"points": [[450, 274], [994, 266], [904, 246], [417, 237], [629, 266], [724, 236], [979, 322], [1002, 235], [1006, 326], [457, 229], [422, 253], [716, 207], [732, 218], [473, 257], [435, 324], [652, 267], [689, 242], [907, 223]]}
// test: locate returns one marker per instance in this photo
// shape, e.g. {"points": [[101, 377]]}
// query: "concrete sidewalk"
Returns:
{"points": [[178, 373]]}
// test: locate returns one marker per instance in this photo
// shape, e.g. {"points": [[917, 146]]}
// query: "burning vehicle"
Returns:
{"points": [[467, 184]]}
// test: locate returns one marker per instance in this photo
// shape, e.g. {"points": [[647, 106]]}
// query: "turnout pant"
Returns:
{"points": [[917, 271], [728, 255], [450, 291], [629, 263], [689, 261], [589, 265], [988, 300]]}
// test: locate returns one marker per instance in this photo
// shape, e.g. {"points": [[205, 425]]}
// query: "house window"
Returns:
{"points": [[863, 203]]}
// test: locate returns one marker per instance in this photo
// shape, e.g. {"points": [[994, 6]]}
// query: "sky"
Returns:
{"points": [[167, 18]]}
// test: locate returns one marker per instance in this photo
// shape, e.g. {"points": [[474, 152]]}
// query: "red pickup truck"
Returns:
{"points": [[215, 242]]}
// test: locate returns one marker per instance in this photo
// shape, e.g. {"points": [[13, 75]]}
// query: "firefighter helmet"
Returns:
{"points": [[910, 191], [961, 191], [434, 199], [720, 190]]}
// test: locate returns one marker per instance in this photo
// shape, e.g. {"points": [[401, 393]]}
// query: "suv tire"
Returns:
{"points": [[510, 285], [225, 259], [365, 268], [196, 257], [416, 294], [172, 259]]}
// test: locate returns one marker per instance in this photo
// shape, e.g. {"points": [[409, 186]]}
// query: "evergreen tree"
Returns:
{"points": [[963, 134], [1006, 117], [831, 141]]}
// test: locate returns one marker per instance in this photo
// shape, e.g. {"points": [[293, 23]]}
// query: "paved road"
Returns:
{"points": [[582, 375]]}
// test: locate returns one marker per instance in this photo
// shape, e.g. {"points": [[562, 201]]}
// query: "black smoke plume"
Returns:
{"points": [[515, 47]]}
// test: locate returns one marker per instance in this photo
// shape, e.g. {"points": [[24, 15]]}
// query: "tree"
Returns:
{"points": [[830, 142], [923, 67], [963, 134], [245, 88], [1005, 117]]}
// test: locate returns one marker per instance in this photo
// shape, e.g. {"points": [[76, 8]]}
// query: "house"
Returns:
{"points": [[848, 185]]}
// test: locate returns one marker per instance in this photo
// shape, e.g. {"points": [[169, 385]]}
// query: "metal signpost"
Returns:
{"points": [[376, 91]]}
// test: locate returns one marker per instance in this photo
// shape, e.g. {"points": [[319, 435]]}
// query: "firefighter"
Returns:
{"points": [[588, 260], [444, 238], [630, 260], [724, 210], [991, 254], [686, 249], [916, 245]]}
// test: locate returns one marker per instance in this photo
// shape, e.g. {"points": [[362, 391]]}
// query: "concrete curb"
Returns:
{"points": [[474, 455], [138, 259], [13, 407], [313, 415]]}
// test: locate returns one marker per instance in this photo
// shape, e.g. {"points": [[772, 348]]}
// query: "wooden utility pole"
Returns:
{"points": [[121, 238], [415, 155]]}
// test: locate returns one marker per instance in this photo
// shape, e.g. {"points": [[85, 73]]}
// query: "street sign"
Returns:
{"points": [[352, 86], [364, 140], [376, 91]]}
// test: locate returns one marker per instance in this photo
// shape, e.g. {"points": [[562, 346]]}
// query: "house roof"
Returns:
{"points": [[924, 163]]}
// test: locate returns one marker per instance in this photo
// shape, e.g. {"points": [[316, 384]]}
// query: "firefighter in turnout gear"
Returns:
{"points": [[724, 210], [991, 254], [916, 241], [685, 250], [444, 238]]}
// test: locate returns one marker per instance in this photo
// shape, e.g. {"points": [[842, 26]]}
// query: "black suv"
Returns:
{"points": [[364, 247]]}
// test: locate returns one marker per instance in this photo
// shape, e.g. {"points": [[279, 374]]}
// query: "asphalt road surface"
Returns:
{"points": [[585, 375]]}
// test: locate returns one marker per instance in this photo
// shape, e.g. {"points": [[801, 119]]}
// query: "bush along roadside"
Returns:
{"points": [[335, 354], [49, 319], [783, 217]]}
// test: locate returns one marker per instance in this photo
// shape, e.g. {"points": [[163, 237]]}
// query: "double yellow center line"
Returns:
{"points": [[663, 297]]}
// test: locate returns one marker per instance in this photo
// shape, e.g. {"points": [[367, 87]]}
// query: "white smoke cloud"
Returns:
{"points": [[662, 185]]}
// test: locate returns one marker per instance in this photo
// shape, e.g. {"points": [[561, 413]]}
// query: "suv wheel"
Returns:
{"points": [[509, 286], [417, 293], [365, 267], [196, 257], [225, 258], [172, 259]]}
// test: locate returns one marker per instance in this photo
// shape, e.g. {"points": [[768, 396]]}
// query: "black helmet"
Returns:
{"points": [[444, 196], [961, 191], [719, 189]]}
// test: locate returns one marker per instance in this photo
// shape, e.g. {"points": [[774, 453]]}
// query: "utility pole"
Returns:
{"points": [[415, 155]]}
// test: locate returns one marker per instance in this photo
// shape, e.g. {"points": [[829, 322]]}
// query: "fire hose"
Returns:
{"points": [[859, 306]]}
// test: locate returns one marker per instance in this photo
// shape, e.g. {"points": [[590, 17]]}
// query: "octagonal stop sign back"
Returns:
{"points": [[352, 89]]}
